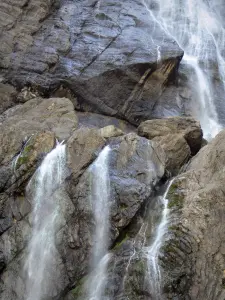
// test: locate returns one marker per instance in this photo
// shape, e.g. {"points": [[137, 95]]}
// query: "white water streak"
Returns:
{"points": [[152, 252], [41, 249], [100, 199], [97, 280], [207, 112], [159, 58], [194, 25]]}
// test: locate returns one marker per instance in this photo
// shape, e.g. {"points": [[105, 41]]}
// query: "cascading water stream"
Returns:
{"points": [[207, 113], [195, 26], [100, 192], [152, 252], [158, 55], [41, 249]]}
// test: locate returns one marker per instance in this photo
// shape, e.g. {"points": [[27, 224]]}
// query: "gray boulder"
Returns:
{"points": [[105, 52], [176, 149], [186, 127], [27, 132], [82, 148], [19, 123]]}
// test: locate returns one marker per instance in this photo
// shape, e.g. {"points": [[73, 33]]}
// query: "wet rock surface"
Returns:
{"points": [[137, 165], [19, 122], [179, 137], [177, 151], [54, 117], [14, 175], [106, 53], [75, 230], [193, 256], [92, 120], [28, 133], [132, 181], [88, 73], [186, 127]]}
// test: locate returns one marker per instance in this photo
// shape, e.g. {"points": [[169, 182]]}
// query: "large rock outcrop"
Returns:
{"points": [[179, 137], [193, 256], [28, 133], [112, 61], [136, 166], [186, 127], [106, 52], [19, 123]]}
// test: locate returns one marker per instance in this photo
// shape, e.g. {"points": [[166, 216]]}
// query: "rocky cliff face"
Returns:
{"points": [[96, 73], [105, 52], [137, 165], [193, 256], [132, 182]]}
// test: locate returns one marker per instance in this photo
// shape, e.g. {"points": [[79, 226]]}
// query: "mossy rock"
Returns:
{"points": [[175, 229], [175, 196], [79, 290], [168, 248], [24, 156], [140, 267], [38, 145], [120, 242], [134, 286]]}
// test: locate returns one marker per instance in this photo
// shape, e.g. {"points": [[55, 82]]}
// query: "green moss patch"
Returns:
{"points": [[25, 155], [102, 16], [120, 242], [175, 197], [78, 291]]}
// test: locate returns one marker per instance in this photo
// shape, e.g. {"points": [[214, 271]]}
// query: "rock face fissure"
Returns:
{"points": [[100, 200], [40, 261], [198, 29], [152, 252]]}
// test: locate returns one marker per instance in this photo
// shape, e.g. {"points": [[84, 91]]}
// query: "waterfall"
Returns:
{"points": [[195, 26], [41, 249], [100, 193], [207, 113], [97, 280], [158, 55], [152, 252]]}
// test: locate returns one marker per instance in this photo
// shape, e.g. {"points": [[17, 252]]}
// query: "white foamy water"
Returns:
{"points": [[152, 252], [159, 55], [97, 280], [41, 248], [206, 112], [100, 200], [196, 27]]}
